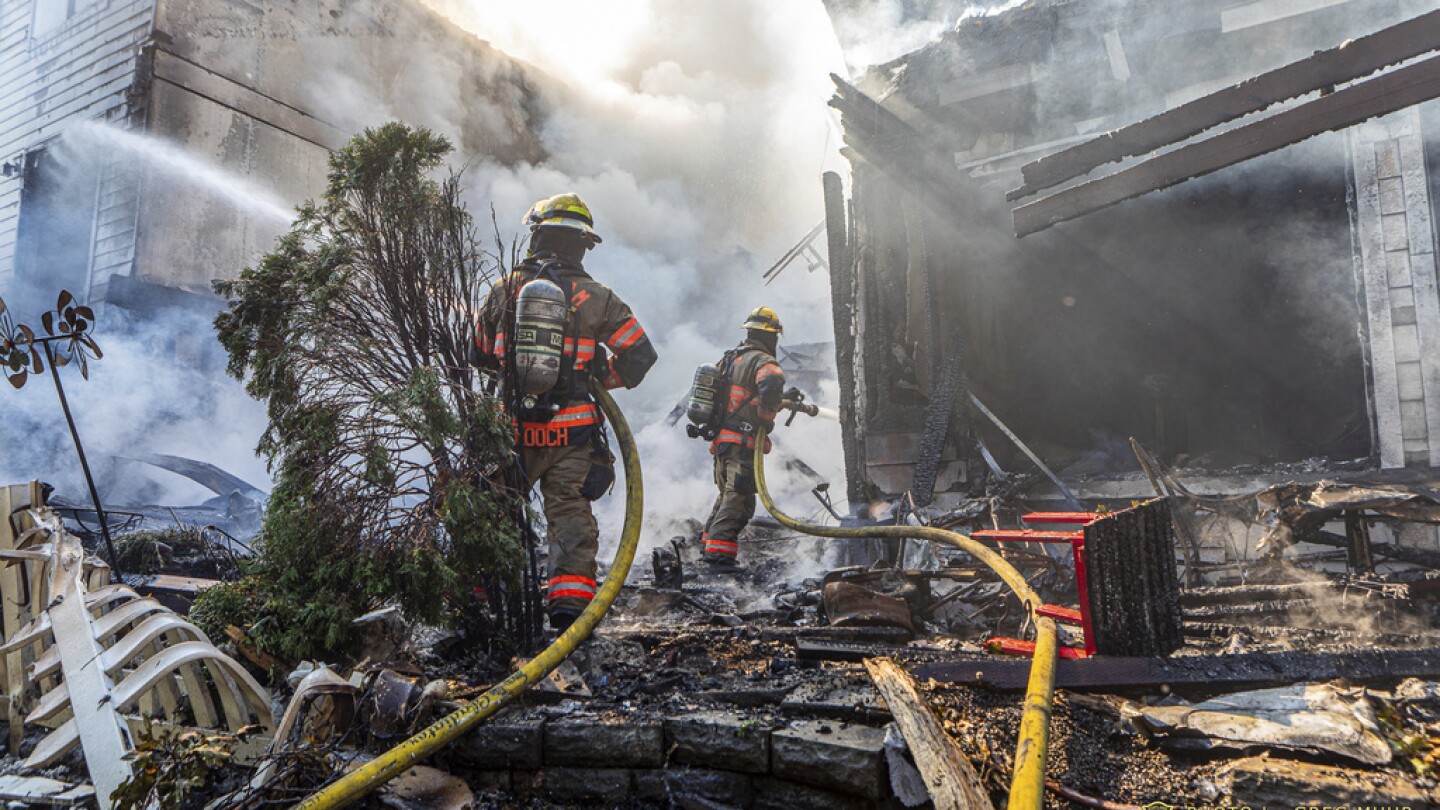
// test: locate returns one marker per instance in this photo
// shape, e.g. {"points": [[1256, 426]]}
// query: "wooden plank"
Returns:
{"points": [[1355, 104], [1357, 58], [1374, 279], [951, 780], [1251, 669], [40, 791], [270, 665], [12, 668], [103, 735]]}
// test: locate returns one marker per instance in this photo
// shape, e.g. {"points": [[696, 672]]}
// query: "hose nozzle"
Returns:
{"points": [[794, 402]]}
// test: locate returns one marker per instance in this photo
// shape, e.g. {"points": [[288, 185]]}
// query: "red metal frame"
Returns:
{"points": [[1014, 646], [1076, 539], [1081, 518], [1062, 614]]}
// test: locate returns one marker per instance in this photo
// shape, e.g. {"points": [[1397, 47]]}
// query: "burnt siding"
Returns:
{"points": [[82, 69]]}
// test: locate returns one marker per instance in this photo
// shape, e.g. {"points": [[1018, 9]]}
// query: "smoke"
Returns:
{"points": [[875, 32], [697, 135], [160, 387], [1216, 320]]}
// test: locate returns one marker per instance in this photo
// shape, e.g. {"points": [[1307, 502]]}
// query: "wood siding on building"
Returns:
{"points": [[83, 69]]}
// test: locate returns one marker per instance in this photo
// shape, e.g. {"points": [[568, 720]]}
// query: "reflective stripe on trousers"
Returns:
{"points": [[571, 587], [713, 546]]}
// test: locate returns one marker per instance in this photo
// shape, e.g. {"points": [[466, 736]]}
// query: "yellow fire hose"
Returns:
{"points": [[382, 769], [1027, 783]]}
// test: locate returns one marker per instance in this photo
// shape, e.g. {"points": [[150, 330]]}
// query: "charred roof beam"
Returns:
{"points": [[1355, 104], [1347, 62]]}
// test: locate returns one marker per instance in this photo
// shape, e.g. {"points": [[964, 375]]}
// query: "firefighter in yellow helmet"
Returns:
{"points": [[757, 386], [549, 320]]}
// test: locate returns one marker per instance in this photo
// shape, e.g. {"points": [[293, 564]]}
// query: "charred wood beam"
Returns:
{"points": [[1222, 630], [940, 412], [842, 302], [1355, 104], [895, 146], [1250, 594], [1250, 669], [1359, 553], [1414, 556], [949, 776], [1281, 607], [1352, 60]]}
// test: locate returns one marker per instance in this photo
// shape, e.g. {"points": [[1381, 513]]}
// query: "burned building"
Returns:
{"points": [[196, 97], [1280, 308]]}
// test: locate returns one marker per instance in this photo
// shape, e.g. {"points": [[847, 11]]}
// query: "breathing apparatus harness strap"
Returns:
{"points": [[727, 366]]}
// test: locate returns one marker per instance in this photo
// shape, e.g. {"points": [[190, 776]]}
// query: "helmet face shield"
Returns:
{"points": [[764, 319], [562, 211]]}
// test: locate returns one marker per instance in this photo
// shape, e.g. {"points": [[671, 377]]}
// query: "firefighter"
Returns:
{"points": [[757, 386], [560, 433]]}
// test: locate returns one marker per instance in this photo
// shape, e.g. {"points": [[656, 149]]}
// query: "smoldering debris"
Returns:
{"points": [[1293, 512], [697, 670]]}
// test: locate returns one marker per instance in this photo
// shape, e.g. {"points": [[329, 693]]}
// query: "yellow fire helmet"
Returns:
{"points": [[562, 211], [765, 320]]}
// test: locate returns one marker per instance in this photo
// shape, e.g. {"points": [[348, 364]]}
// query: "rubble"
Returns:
{"points": [[681, 711], [1312, 718], [138, 658], [1258, 781]]}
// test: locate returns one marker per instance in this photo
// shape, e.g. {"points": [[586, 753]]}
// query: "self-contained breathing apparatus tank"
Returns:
{"points": [[541, 315], [709, 393]]}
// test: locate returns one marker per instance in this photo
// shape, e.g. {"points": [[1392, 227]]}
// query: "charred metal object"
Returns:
{"points": [[667, 567], [1197, 671], [1129, 593]]}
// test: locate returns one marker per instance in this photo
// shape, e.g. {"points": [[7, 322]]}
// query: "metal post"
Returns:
{"points": [[1030, 454], [84, 465]]}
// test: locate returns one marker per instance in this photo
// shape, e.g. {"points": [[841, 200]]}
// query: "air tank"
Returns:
{"points": [[705, 394], [541, 315]]}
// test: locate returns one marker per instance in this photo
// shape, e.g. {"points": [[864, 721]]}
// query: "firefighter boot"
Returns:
{"points": [[561, 618]]}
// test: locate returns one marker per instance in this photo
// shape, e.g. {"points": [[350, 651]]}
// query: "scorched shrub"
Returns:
{"points": [[356, 332]]}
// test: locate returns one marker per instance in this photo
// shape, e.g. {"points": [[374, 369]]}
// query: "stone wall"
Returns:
{"points": [[715, 758]]}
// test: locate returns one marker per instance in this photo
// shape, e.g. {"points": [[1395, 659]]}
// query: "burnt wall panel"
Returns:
{"points": [[1134, 591], [266, 91]]}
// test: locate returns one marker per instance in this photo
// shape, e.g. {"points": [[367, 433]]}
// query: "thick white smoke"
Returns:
{"points": [[697, 134], [159, 389]]}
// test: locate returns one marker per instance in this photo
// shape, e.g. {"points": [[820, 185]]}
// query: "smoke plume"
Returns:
{"points": [[697, 134]]}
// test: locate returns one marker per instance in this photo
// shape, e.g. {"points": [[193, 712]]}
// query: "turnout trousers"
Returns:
{"points": [[734, 506], [572, 534]]}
